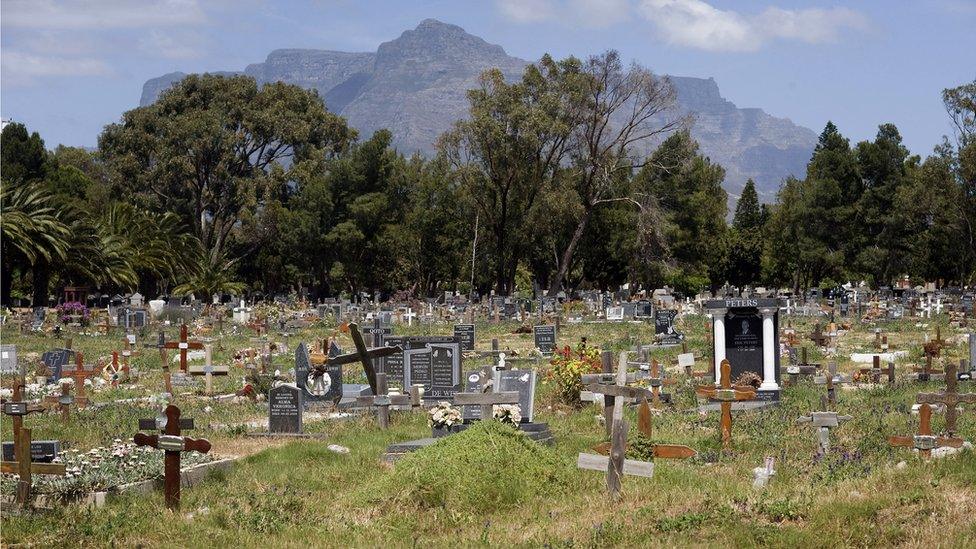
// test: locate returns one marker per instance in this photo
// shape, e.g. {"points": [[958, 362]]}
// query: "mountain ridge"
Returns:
{"points": [[415, 85]]}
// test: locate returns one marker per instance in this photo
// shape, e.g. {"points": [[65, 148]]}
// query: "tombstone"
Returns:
{"points": [[42, 451], [56, 360], [630, 310], [38, 319], [664, 329], [967, 303], [523, 382], [8, 360], [545, 338], [972, 351], [136, 300], [466, 335], [474, 382], [746, 332], [329, 388], [615, 313], [645, 309], [285, 405], [437, 367]]}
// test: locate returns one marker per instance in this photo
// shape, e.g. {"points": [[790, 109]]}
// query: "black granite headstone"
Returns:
{"points": [[545, 338], [285, 409], [465, 333], [43, 451], [522, 381]]}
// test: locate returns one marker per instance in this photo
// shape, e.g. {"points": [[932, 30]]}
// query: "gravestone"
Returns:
{"points": [[466, 335], [630, 310], [474, 382], [615, 313], [437, 367], [136, 300], [545, 338], [645, 309], [39, 314], [746, 332], [285, 405], [330, 386], [56, 360], [664, 329], [523, 382], [967, 302], [393, 365], [42, 451], [8, 359]]}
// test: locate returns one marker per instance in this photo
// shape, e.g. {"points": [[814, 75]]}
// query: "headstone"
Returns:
{"points": [[39, 314], [615, 313], [645, 309], [630, 310], [664, 328], [437, 367], [285, 407], [466, 335], [746, 332], [328, 388], [474, 382], [8, 359], [43, 451], [523, 382], [393, 365], [972, 351], [56, 360], [545, 338]]}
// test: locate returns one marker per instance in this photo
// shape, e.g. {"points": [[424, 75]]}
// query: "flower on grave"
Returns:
{"points": [[443, 415], [507, 413], [6, 393], [67, 381]]}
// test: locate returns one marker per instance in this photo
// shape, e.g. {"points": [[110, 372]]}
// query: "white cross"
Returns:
{"points": [[409, 315], [938, 306]]}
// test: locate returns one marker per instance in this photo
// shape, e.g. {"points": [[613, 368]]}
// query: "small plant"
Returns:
{"points": [[507, 413], [73, 310], [566, 369], [443, 416]]}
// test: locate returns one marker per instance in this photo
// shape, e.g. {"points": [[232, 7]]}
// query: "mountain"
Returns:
{"points": [[416, 87]]}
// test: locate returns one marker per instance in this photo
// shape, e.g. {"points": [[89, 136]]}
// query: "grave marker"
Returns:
{"points": [[285, 408], [522, 382], [726, 395], [466, 336], [745, 331], [924, 441], [24, 467], [174, 443], [950, 397], [545, 338]]}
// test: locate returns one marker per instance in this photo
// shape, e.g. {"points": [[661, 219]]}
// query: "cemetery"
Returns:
{"points": [[332, 282], [398, 433]]}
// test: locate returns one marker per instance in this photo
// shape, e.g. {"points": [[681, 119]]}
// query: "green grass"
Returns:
{"points": [[488, 486]]}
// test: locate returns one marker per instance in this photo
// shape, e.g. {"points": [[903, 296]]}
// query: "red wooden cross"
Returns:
{"points": [[726, 394], [174, 444], [16, 408], [183, 345], [80, 375]]}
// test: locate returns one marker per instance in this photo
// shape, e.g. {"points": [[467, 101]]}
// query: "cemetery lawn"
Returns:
{"points": [[487, 487]]}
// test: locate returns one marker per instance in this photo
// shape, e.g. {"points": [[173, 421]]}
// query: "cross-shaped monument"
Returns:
{"points": [[17, 408], [183, 345], [24, 467], [172, 441], [382, 401], [950, 397], [725, 394], [924, 442]]}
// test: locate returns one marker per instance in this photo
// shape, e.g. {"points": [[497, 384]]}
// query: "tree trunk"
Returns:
{"points": [[567, 257], [42, 278]]}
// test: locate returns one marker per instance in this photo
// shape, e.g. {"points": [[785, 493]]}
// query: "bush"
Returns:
{"points": [[566, 368]]}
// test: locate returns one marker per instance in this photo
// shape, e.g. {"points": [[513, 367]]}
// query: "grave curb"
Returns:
{"points": [[189, 477]]}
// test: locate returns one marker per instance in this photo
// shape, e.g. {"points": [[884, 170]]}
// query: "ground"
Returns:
{"points": [[864, 493]]}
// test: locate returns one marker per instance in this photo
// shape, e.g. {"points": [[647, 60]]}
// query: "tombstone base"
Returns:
{"points": [[768, 395]]}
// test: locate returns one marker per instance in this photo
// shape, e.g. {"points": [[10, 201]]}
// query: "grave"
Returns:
{"points": [[664, 331], [8, 359], [466, 335], [436, 367], [522, 382], [174, 443], [545, 338], [285, 407], [746, 332]]}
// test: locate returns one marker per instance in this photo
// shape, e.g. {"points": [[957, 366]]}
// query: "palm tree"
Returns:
{"points": [[32, 234], [212, 275]]}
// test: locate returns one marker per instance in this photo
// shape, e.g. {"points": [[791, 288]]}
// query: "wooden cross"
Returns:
{"points": [[382, 401], [364, 355], [818, 337], [645, 428], [823, 422], [486, 401], [925, 373], [950, 397], [726, 395], [802, 368], [126, 353], [830, 380], [172, 441], [80, 375], [107, 326], [183, 345], [924, 442], [657, 381], [65, 401], [17, 408], [24, 467], [616, 465], [875, 372]]}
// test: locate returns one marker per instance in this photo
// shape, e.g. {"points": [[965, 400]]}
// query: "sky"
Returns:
{"points": [[69, 67]]}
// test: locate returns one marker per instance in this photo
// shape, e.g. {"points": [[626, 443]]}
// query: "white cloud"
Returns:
{"points": [[527, 11], [171, 45], [697, 24], [600, 13], [100, 14], [21, 68]]}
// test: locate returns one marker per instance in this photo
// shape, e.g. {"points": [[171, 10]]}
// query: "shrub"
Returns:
{"points": [[566, 368]]}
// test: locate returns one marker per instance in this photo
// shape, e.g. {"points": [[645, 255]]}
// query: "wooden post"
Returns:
{"points": [[23, 467], [383, 406], [208, 369], [606, 363]]}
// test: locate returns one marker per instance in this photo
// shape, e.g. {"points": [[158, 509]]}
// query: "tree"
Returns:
{"points": [[22, 156], [508, 151], [214, 148], [745, 243], [619, 110]]}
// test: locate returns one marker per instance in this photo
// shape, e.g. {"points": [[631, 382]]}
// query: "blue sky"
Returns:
{"points": [[69, 67]]}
